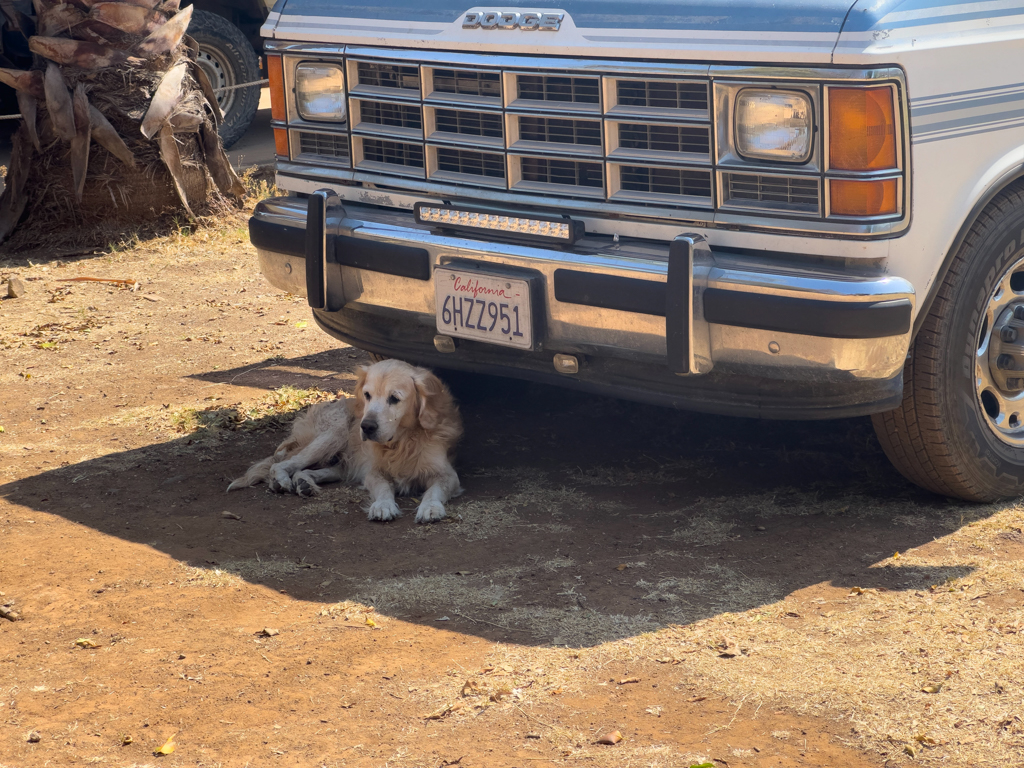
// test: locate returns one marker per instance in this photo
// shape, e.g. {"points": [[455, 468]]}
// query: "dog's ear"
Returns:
{"points": [[431, 393], [358, 391]]}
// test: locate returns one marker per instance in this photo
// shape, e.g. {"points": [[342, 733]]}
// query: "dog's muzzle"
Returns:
{"points": [[369, 429]]}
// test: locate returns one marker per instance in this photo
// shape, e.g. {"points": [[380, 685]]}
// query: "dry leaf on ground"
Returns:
{"points": [[728, 648], [444, 711], [168, 746]]}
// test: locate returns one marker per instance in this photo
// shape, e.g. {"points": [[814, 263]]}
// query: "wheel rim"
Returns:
{"points": [[999, 358], [220, 73]]}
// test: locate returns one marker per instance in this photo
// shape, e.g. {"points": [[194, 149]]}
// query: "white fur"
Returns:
{"points": [[396, 435]]}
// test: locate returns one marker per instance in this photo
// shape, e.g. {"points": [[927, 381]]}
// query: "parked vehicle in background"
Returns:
{"points": [[229, 52], [230, 48], [797, 209]]}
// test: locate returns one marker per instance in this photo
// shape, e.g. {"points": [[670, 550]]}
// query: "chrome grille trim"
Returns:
{"points": [[689, 81]]}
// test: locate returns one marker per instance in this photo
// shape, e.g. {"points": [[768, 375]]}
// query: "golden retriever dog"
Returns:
{"points": [[396, 435]]}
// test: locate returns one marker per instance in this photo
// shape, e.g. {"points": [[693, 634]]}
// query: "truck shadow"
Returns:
{"points": [[584, 519]]}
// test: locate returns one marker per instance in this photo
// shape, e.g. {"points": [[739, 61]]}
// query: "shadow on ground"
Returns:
{"points": [[585, 519]]}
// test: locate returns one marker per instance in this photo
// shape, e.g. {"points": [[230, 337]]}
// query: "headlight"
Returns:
{"points": [[320, 92], [774, 125]]}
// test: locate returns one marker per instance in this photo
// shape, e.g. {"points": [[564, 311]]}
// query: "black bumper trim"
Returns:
{"points": [[628, 294], [808, 317], [277, 238], [389, 258], [783, 314]]}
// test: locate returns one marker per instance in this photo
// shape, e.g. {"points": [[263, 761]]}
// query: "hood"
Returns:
{"points": [[752, 30], [714, 15]]}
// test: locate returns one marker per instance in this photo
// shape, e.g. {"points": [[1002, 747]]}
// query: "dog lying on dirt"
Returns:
{"points": [[396, 435]]}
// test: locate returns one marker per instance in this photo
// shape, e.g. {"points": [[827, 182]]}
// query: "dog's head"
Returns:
{"points": [[394, 398]]}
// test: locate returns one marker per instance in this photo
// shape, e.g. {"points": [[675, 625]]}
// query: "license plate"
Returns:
{"points": [[484, 307]]}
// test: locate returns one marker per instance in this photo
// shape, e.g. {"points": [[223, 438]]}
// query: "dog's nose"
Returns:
{"points": [[369, 428]]}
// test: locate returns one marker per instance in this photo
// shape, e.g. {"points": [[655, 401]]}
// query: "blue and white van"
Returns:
{"points": [[801, 209]]}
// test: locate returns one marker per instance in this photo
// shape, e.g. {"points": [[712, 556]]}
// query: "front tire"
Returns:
{"points": [[228, 59], [960, 429]]}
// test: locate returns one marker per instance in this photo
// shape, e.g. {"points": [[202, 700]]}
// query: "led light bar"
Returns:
{"points": [[563, 231]]}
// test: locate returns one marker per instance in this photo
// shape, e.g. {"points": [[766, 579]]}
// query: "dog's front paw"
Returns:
{"points": [[305, 485], [384, 509], [429, 512], [279, 481]]}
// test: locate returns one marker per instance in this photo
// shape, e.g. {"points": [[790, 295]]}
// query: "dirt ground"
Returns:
{"points": [[719, 591]]}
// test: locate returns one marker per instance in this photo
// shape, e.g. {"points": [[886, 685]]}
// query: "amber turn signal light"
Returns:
{"points": [[862, 198], [281, 141], [275, 73], [861, 129]]}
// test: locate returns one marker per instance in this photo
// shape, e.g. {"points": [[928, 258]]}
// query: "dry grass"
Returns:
{"points": [[209, 577], [271, 412], [259, 569]]}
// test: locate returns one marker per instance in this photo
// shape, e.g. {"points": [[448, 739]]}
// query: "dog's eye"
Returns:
{"points": [[393, 400], [366, 395]]}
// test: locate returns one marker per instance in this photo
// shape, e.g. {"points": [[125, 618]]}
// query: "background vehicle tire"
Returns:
{"points": [[960, 428], [228, 59]]}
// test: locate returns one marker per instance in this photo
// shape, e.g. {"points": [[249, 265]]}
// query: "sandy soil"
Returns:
{"points": [[720, 591]]}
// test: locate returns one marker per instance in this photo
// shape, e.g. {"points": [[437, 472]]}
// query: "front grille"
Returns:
{"points": [[467, 83], [558, 88], [329, 145], [664, 138], [392, 153], [665, 181], [393, 76], [566, 173], [779, 192], [560, 131], [394, 115], [662, 94], [469, 163], [615, 141], [466, 123]]}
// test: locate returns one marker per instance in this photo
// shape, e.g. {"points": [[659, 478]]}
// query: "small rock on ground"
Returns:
{"points": [[15, 288]]}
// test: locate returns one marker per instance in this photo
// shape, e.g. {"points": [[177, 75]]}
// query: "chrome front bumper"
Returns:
{"points": [[769, 316]]}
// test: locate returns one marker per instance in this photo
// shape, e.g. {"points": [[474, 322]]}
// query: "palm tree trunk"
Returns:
{"points": [[119, 126]]}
